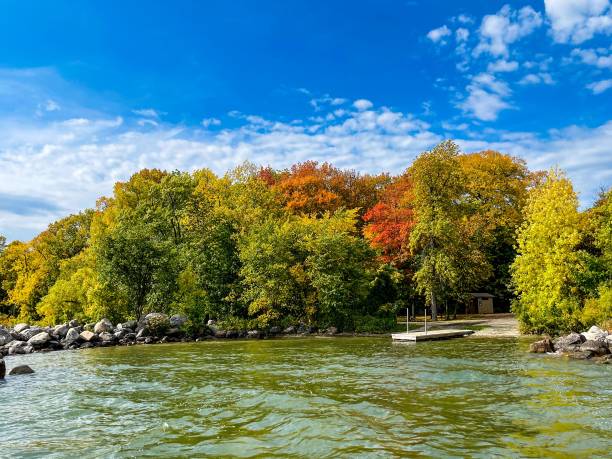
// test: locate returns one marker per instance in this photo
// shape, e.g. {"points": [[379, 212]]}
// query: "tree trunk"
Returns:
{"points": [[434, 308]]}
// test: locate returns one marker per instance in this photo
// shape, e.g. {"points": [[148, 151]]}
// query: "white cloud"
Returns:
{"points": [[502, 66], [600, 86], [537, 78], [462, 35], [577, 21], [51, 105], [486, 97], [438, 35], [148, 113], [320, 103], [206, 122], [362, 104], [497, 31], [464, 19], [600, 57]]}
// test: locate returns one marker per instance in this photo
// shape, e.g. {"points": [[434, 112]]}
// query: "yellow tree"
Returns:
{"points": [[546, 270]]}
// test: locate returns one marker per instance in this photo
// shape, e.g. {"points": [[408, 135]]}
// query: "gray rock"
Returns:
{"points": [[32, 331], [177, 321], [594, 347], [289, 330], [17, 347], [595, 334], [253, 334], [71, 336], [142, 333], [104, 326], [88, 336], [174, 332], [232, 334], [5, 336], [21, 370], [274, 330], [579, 355], [568, 343], [39, 340], [20, 327], [542, 346], [154, 315], [73, 323], [219, 333], [304, 329], [130, 324], [61, 330], [2, 368], [121, 333], [107, 337], [331, 331], [211, 323]]}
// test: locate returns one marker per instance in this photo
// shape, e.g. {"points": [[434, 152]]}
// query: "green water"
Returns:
{"points": [[315, 397]]}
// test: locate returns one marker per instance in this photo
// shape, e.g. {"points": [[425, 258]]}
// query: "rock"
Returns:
{"points": [[304, 329], [61, 330], [148, 340], [32, 331], [254, 334], [579, 355], [107, 337], [604, 359], [289, 330], [72, 335], [21, 370], [89, 327], [174, 332], [274, 330], [5, 336], [104, 326], [157, 323], [21, 327], [39, 340], [568, 343], [211, 322], [331, 331], [17, 347], [130, 325], [594, 347], [595, 334], [86, 345], [88, 336], [121, 332], [142, 333], [2, 368], [177, 321], [232, 334], [73, 323], [542, 346], [219, 333]]}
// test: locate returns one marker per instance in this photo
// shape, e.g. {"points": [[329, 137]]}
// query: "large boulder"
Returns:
{"points": [[88, 336], [104, 326], [61, 330], [71, 336], [21, 370], [39, 340], [568, 343], [17, 347], [254, 334], [130, 325], [594, 347], [107, 338], [157, 323], [20, 327], [177, 321], [5, 336], [32, 331], [542, 346], [595, 334]]}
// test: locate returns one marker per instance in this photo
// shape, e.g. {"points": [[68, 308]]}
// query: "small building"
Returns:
{"points": [[481, 303]]}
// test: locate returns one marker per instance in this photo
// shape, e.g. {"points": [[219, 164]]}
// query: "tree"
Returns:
{"points": [[449, 261], [549, 263]]}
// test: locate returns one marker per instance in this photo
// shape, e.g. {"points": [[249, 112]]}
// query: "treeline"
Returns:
{"points": [[328, 247]]}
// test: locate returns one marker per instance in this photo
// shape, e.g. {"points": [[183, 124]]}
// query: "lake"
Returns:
{"points": [[311, 397]]}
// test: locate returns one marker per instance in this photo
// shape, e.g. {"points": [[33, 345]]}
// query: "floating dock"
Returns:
{"points": [[430, 335]]}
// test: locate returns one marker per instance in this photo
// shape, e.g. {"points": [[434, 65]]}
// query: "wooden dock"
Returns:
{"points": [[430, 335]]}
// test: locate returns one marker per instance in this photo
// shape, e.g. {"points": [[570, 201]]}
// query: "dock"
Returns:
{"points": [[430, 335]]}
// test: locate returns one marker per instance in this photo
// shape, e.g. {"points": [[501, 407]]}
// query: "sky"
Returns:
{"points": [[93, 91]]}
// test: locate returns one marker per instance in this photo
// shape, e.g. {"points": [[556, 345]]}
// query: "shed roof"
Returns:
{"points": [[482, 295]]}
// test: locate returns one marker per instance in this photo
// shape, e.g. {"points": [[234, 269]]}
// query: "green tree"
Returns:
{"points": [[549, 263]]}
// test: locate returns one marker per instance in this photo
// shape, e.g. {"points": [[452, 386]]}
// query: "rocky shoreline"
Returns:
{"points": [[152, 329], [594, 344]]}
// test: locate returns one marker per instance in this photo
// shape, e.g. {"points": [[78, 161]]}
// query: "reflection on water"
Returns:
{"points": [[351, 397]]}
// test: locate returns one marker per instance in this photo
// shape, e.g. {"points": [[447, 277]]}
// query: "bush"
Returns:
{"points": [[373, 324], [158, 325]]}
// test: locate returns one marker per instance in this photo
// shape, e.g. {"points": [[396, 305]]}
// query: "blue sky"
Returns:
{"points": [[90, 92]]}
